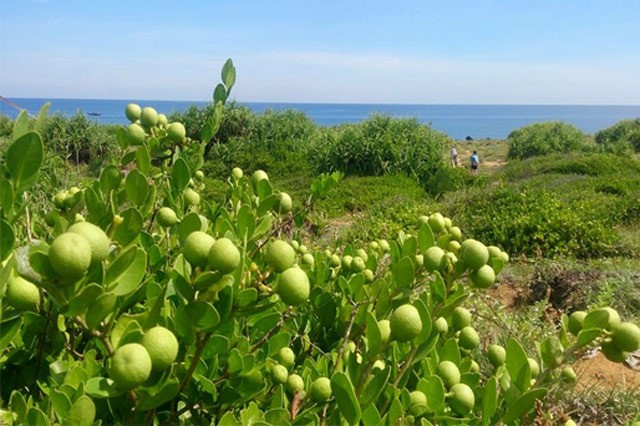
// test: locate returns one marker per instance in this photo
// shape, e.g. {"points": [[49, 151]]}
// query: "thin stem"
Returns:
{"points": [[201, 343], [406, 365]]}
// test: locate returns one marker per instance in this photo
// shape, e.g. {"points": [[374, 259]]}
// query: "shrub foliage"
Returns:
{"points": [[545, 138]]}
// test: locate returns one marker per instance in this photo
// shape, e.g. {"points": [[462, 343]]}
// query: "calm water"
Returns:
{"points": [[458, 121]]}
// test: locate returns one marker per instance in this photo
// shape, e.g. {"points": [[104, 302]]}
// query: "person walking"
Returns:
{"points": [[454, 157], [475, 163]]}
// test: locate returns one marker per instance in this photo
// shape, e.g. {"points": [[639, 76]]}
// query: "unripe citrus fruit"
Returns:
{"points": [[199, 175], [279, 374], [453, 246], [191, 197], [286, 357], [433, 257], [148, 117], [436, 222], [357, 264], [441, 325], [176, 132], [612, 352], [369, 276], [405, 323], [474, 254], [302, 249], [130, 366], [474, 367], [497, 355], [166, 217], [504, 256], [494, 252], [534, 367], [468, 338], [417, 403], [293, 287], [70, 255], [98, 239], [346, 262], [483, 277], [575, 322], [162, 346], [374, 245], [361, 253], [462, 400], [132, 111], [461, 318], [59, 199], [419, 260], [379, 364], [385, 330], [196, 248], [449, 373], [320, 389], [614, 319], [447, 223], [456, 233], [295, 383], [237, 173], [280, 255], [384, 245], [224, 256], [285, 202], [162, 120], [257, 176], [626, 337], [136, 133], [422, 219], [21, 294], [308, 259], [335, 260], [570, 422], [569, 375]]}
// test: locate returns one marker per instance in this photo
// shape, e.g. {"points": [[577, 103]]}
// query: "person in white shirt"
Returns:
{"points": [[454, 157]]}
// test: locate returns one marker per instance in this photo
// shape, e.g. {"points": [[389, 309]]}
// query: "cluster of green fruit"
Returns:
{"points": [[319, 390], [147, 122], [67, 198]]}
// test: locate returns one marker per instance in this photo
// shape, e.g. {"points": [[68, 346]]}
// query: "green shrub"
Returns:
{"points": [[621, 137], [6, 125], [449, 179], [545, 138]]}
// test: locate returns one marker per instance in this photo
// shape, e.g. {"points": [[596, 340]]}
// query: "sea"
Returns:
{"points": [[458, 121]]}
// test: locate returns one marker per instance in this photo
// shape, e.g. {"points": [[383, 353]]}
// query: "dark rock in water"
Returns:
{"points": [[469, 138]]}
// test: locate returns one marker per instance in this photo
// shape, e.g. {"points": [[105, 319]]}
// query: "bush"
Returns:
{"points": [[6, 125], [449, 179], [621, 137], [545, 138]]}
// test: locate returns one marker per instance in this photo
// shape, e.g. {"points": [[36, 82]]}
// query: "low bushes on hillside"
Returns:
{"points": [[621, 137], [545, 138]]}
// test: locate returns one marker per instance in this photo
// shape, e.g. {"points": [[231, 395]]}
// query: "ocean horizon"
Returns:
{"points": [[477, 121]]}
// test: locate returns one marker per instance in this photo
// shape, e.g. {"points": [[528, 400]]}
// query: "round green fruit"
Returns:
{"points": [[130, 366], [357, 264], [436, 222], [419, 260], [468, 338], [286, 357], [224, 256], [59, 199], [196, 248], [626, 337], [534, 367], [257, 176], [279, 374], [293, 287], [70, 255], [384, 245], [461, 318], [568, 375], [166, 217], [308, 259], [162, 346], [575, 322], [456, 233], [405, 323], [335, 260], [136, 134], [320, 390], [280, 255], [162, 120], [285, 202], [474, 367], [369, 276], [417, 403], [176, 132], [494, 252], [483, 277], [191, 197], [199, 175], [237, 173], [302, 249], [614, 319], [447, 223], [453, 246], [474, 254], [462, 399], [98, 239], [361, 253], [346, 262], [385, 331], [433, 258], [449, 373], [441, 325], [22, 294], [295, 383], [612, 352], [133, 111], [148, 117], [496, 355]]}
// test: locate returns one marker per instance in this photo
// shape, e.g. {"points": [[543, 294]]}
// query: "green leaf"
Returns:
{"points": [[219, 94], [587, 336], [228, 74], [110, 178], [374, 338], [7, 239], [551, 352], [267, 204], [596, 319], [143, 159], [24, 159], [126, 272], [403, 273], [136, 186], [425, 316], [374, 387], [60, 402], [245, 222], [410, 247], [156, 397], [277, 416], [523, 405], [83, 299], [203, 315], [35, 417], [180, 175], [229, 420], [497, 264], [438, 287], [190, 223], [82, 413], [21, 125], [18, 405], [345, 395], [263, 227], [101, 387], [489, 400], [102, 307], [517, 364], [41, 120], [7, 196], [426, 238], [264, 189], [450, 351], [8, 330], [130, 227], [371, 416], [435, 391]]}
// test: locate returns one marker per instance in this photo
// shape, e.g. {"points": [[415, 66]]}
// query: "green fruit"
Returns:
{"points": [[436, 222], [456, 233], [441, 325], [166, 217], [98, 239], [374, 245], [468, 338], [224, 256], [162, 120], [130, 366], [369, 276], [379, 364], [136, 134], [462, 400], [199, 175], [280, 255], [461, 318], [570, 422], [191, 197], [361, 253], [612, 352], [474, 254], [505, 257], [285, 202], [59, 199], [419, 260], [132, 111], [552, 352], [148, 117], [447, 223], [302, 249], [22, 294], [320, 390], [293, 287], [568, 375], [453, 246], [295, 383], [279, 374], [449, 373], [357, 264], [417, 403], [257, 176], [70, 255], [346, 262], [385, 331], [496, 355], [335, 260], [384, 245], [614, 319], [534, 367], [422, 219], [626, 337], [196, 248], [494, 252], [483, 277], [286, 357], [308, 259], [474, 367], [575, 322], [405, 323], [237, 173], [433, 258], [176, 132], [162, 346]]}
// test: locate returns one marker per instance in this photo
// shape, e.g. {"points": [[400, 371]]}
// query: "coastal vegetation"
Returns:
{"points": [[238, 268]]}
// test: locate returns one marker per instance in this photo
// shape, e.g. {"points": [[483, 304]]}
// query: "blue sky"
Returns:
{"points": [[375, 51]]}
